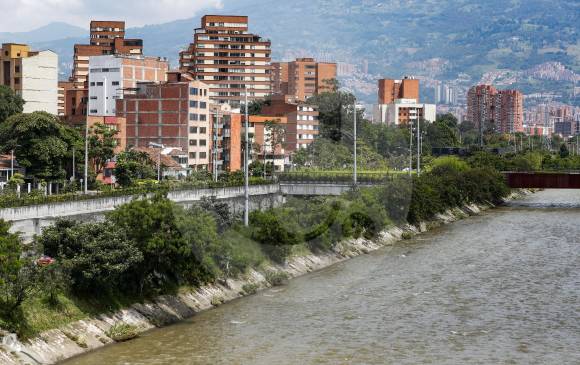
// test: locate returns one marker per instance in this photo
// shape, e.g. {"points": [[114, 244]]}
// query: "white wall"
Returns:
{"points": [[40, 82], [102, 93]]}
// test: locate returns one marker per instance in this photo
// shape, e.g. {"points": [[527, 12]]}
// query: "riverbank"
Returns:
{"points": [[90, 334]]}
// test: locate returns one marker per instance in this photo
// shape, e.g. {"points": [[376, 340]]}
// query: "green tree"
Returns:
{"points": [[564, 151], [10, 103], [133, 166], [102, 143], [42, 144], [96, 256], [335, 114]]}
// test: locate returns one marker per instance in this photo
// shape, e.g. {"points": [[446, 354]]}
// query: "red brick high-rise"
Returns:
{"points": [[503, 109], [303, 78], [391, 90], [227, 57]]}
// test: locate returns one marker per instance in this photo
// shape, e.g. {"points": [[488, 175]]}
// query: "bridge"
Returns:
{"points": [[543, 180]]}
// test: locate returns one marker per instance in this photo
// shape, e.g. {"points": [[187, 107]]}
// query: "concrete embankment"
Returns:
{"points": [[86, 335]]}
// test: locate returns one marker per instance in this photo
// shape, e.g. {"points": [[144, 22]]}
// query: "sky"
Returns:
{"points": [[25, 15]]}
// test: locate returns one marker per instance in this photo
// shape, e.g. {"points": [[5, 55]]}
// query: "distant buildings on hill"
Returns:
{"points": [[502, 110]]}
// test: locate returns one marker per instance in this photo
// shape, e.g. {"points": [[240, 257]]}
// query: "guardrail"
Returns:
{"points": [[313, 177]]}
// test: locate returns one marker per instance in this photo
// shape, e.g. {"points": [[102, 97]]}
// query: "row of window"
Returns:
{"points": [[307, 117], [306, 136], [196, 104], [308, 127], [194, 142], [195, 130], [197, 117], [202, 155], [100, 83], [98, 70], [197, 91]]}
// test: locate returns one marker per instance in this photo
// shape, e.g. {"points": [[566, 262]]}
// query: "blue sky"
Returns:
{"points": [[24, 15]]}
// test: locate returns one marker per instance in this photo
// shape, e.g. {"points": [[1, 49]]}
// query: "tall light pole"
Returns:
{"points": [[161, 147], [355, 177], [12, 163], [215, 141], [246, 164], [86, 181], [410, 147], [418, 147], [74, 175]]}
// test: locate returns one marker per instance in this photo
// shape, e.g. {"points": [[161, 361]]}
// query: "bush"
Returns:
{"points": [[121, 332], [276, 278], [250, 289]]}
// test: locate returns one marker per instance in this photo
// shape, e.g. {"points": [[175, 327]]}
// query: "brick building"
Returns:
{"points": [[227, 57], [501, 109], [399, 103], [106, 38], [174, 114], [112, 75], [226, 136], [303, 77]]}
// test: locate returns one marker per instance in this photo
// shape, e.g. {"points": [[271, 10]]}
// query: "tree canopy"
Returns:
{"points": [[10, 103]]}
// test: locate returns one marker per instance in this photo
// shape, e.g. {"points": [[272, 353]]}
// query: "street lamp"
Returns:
{"points": [[246, 165], [161, 147], [355, 172]]}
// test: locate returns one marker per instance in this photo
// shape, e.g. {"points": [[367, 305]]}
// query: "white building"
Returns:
{"points": [[111, 76], [404, 110]]}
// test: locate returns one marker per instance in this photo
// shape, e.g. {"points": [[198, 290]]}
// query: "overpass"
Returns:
{"points": [[543, 180]]}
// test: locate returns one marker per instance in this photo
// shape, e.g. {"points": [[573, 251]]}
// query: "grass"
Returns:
{"points": [[121, 332]]}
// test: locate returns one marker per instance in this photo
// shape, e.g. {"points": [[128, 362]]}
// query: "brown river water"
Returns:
{"points": [[499, 288]]}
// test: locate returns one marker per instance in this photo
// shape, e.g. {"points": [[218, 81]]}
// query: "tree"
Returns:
{"points": [[335, 114], [564, 151], [96, 256], [132, 166], [42, 144], [255, 106], [10, 103], [102, 143], [16, 274], [275, 137]]}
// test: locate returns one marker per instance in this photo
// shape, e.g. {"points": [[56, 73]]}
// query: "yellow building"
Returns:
{"points": [[31, 74]]}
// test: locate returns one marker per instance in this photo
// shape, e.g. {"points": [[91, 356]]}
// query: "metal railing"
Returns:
{"points": [[323, 177]]}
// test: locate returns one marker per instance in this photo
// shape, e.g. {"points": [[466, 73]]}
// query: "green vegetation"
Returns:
{"points": [[10, 103], [121, 332]]}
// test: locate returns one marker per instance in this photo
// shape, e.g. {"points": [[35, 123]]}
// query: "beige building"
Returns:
{"points": [[31, 74]]}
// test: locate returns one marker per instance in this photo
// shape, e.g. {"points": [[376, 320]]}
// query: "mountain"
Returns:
{"points": [[458, 41], [49, 32]]}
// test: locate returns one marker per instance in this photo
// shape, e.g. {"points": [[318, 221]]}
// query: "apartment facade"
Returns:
{"points": [[302, 124], [227, 57], [106, 38], [112, 75], [390, 90], [226, 139], [31, 74], [173, 114], [502, 108], [303, 78], [399, 103]]}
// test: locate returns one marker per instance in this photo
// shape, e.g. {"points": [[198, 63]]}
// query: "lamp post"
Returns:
{"points": [[246, 165], [355, 177], [215, 147], [86, 179], [161, 147], [12, 163]]}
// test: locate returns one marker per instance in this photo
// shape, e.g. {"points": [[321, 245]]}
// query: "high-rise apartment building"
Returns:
{"points": [[111, 75], [399, 104], [31, 74], [106, 38], [228, 58], [501, 109], [391, 90], [303, 78]]}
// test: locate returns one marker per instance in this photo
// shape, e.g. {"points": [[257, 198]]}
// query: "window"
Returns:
{"points": [[193, 104], [115, 83], [202, 117], [203, 105], [203, 130], [202, 155], [203, 142], [17, 80], [92, 84], [193, 117], [192, 155], [193, 130], [99, 84], [193, 142], [193, 91], [93, 98], [94, 111], [16, 69]]}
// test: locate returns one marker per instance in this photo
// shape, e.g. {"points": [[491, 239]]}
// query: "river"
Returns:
{"points": [[499, 288]]}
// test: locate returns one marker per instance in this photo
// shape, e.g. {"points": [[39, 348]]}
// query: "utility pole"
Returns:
{"points": [[12, 163], [355, 177], [86, 177], [410, 148], [215, 141], [246, 166], [74, 175], [161, 147], [418, 147]]}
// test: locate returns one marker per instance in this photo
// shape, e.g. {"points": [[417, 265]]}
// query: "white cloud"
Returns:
{"points": [[23, 15]]}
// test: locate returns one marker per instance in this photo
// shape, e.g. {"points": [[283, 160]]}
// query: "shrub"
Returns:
{"points": [[276, 278], [250, 288], [121, 332]]}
